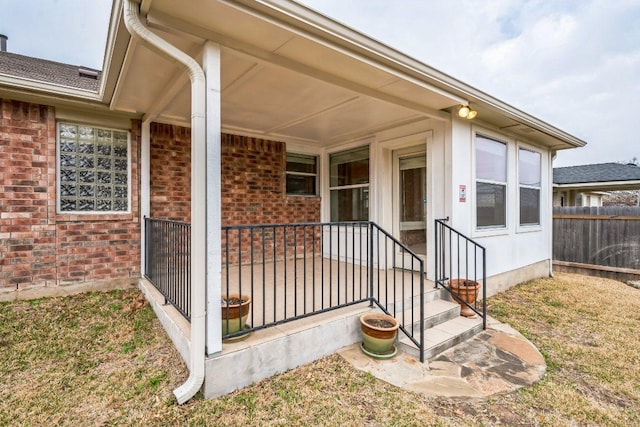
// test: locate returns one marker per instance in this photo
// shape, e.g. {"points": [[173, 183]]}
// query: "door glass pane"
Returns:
{"points": [[413, 199]]}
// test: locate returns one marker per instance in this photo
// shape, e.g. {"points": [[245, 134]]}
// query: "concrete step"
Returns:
{"points": [[430, 294], [435, 312], [442, 336]]}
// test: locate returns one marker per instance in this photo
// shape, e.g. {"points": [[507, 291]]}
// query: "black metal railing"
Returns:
{"points": [[457, 257], [168, 261], [292, 271]]}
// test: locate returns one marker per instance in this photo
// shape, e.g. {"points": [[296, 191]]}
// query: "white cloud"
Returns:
{"points": [[572, 64]]}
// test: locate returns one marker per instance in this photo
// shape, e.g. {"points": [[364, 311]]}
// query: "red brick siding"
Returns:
{"points": [[170, 172], [100, 247], [27, 187], [253, 185], [40, 247], [253, 180], [253, 188]]}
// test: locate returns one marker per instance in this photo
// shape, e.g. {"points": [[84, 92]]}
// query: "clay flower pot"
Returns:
{"points": [[378, 334], [235, 311], [465, 290]]}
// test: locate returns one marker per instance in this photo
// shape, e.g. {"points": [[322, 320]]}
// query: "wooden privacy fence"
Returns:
{"points": [[601, 240]]}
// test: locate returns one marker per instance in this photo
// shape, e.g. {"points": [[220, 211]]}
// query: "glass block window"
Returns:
{"points": [[93, 165]]}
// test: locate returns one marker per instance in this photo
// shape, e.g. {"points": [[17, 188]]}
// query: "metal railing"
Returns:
{"points": [[168, 261], [292, 271], [457, 257]]}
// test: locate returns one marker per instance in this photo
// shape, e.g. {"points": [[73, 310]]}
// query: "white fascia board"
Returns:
{"points": [[22, 83]]}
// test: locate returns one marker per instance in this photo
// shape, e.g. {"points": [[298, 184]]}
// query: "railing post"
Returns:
{"points": [[421, 311], [484, 289], [371, 264]]}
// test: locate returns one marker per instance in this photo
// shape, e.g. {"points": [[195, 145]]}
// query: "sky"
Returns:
{"points": [[573, 64]]}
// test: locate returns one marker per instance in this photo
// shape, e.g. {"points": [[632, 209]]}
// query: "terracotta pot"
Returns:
{"points": [[234, 316], [465, 290], [377, 339]]}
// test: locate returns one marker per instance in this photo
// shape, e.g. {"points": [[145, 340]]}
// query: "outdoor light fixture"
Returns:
{"points": [[466, 112]]}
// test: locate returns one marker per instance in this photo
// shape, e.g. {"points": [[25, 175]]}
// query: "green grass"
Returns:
{"points": [[103, 359]]}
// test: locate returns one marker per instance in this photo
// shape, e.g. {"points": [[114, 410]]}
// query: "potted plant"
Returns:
{"points": [[465, 290], [379, 332], [235, 311]]}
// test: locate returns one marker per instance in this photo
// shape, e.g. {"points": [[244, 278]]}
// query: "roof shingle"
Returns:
{"points": [[603, 172], [49, 71]]}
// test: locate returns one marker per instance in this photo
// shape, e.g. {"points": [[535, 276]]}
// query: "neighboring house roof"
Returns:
{"points": [[43, 70], [602, 176]]}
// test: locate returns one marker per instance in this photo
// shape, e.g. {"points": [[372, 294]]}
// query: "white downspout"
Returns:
{"points": [[198, 186], [145, 188]]}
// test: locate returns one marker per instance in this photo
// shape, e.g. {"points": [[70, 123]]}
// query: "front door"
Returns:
{"points": [[411, 201]]}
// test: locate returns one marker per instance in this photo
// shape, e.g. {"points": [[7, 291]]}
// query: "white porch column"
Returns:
{"points": [[211, 66], [145, 187]]}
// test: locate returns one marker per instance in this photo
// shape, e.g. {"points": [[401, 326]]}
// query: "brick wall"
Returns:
{"points": [[253, 184], [27, 188], [253, 180], [170, 172], [39, 247], [253, 189]]}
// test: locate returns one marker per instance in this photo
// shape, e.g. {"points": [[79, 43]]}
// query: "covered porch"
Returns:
{"points": [[271, 83]]}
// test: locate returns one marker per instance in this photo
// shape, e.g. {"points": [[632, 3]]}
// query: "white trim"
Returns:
{"points": [[495, 230]]}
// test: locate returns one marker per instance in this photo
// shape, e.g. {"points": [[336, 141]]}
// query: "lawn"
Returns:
{"points": [[103, 359]]}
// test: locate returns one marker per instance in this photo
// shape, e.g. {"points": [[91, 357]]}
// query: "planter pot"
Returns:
{"points": [[379, 332], [467, 291], [235, 311]]}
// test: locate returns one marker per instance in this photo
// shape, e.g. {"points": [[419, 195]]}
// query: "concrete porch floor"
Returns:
{"points": [[494, 361], [286, 289]]}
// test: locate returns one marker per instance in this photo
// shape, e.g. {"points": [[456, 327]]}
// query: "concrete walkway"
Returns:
{"points": [[498, 360]]}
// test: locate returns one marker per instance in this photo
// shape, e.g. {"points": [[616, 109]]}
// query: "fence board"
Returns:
{"points": [[603, 236]]}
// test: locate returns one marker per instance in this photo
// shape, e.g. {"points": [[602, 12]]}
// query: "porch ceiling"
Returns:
{"points": [[277, 80]]}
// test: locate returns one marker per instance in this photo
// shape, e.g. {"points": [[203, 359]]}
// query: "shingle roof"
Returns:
{"points": [[48, 71], [603, 172]]}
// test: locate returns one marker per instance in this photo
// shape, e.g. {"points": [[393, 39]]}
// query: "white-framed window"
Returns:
{"points": [[491, 182], [529, 181], [302, 174], [349, 184], [94, 169]]}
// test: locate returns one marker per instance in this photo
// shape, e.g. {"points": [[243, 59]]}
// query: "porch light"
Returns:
{"points": [[466, 112]]}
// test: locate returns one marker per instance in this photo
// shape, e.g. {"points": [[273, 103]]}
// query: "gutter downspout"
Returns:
{"points": [[198, 186]]}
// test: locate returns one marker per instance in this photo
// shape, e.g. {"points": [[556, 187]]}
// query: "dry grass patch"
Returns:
{"points": [[103, 359]]}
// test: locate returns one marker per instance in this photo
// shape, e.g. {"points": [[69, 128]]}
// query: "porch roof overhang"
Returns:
{"points": [[288, 73]]}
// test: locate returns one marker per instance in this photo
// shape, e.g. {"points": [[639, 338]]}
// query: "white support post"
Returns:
{"points": [[145, 188], [211, 66]]}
